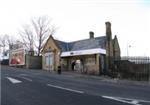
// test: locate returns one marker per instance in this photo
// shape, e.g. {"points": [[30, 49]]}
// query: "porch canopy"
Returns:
{"points": [[83, 52]]}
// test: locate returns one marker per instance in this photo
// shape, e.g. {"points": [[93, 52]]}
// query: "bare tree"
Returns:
{"points": [[9, 40], [6, 42], [2, 41], [3, 45], [27, 37], [43, 29], [37, 33]]}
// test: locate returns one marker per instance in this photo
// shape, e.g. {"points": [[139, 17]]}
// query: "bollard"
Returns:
{"points": [[149, 81], [59, 70]]}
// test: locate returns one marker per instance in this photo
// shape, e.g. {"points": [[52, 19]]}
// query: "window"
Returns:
{"points": [[49, 60]]}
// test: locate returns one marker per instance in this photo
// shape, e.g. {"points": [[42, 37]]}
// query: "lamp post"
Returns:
{"points": [[128, 46]]}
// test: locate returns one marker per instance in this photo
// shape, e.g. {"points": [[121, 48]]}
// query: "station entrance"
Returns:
{"points": [[84, 63]]}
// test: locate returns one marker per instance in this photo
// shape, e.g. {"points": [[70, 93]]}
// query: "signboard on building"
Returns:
{"points": [[17, 57], [84, 52]]}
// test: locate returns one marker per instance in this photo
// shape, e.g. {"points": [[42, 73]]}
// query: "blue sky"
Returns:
{"points": [[75, 18]]}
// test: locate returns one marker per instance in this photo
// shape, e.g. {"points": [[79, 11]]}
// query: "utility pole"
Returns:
{"points": [[128, 46], [127, 51]]}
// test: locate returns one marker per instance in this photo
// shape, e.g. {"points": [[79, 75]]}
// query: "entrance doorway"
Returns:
{"points": [[77, 65], [73, 65]]}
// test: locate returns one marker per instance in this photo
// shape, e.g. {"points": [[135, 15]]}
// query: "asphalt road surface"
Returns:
{"points": [[32, 87]]}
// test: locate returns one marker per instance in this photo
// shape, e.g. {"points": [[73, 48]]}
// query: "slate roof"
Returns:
{"points": [[97, 42]]}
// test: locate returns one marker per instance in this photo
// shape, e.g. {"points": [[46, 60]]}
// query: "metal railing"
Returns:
{"points": [[134, 68]]}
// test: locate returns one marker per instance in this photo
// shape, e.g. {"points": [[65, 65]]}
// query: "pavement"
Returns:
{"points": [[99, 78], [108, 79], [36, 87]]}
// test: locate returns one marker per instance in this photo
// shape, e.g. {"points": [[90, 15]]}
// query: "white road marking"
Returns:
{"points": [[127, 100], [134, 99], [23, 77], [135, 102], [68, 89], [23, 74], [121, 100], [14, 81], [28, 79]]}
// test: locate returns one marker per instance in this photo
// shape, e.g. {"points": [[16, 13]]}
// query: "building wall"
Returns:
{"points": [[116, 48], [52, 48], [33, 62], [90, 64], [109, 48], [112, 48]]}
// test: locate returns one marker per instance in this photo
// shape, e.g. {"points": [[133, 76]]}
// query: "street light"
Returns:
{"points": [[128, 46]]}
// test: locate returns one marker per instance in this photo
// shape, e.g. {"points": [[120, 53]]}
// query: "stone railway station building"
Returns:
{"points": [[85, 56]]}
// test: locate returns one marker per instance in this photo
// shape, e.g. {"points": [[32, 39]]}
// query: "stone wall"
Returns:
{"points": [[89, 63], [51, 47], [33, 62], [92, 64]]}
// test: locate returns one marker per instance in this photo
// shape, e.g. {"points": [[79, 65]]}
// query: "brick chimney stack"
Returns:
{"points": [[109, 47], [91, 34], [108, 31]]}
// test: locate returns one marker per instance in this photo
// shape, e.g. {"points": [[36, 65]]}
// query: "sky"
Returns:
{"points": [[74, 19]]}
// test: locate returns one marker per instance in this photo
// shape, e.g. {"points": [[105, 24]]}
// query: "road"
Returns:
{"points": [[35, 87]]}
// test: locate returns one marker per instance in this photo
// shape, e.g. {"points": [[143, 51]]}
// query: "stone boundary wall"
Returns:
{"points": [[33, 62]]}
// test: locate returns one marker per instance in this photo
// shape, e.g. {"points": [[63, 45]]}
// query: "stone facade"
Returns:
{"points": [[116, 48], [77, 56], [33, 62], [87, 63], [50, 55], [112, 48]]}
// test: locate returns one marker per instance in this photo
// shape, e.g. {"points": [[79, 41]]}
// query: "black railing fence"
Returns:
{"points": [[134, 68]]}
